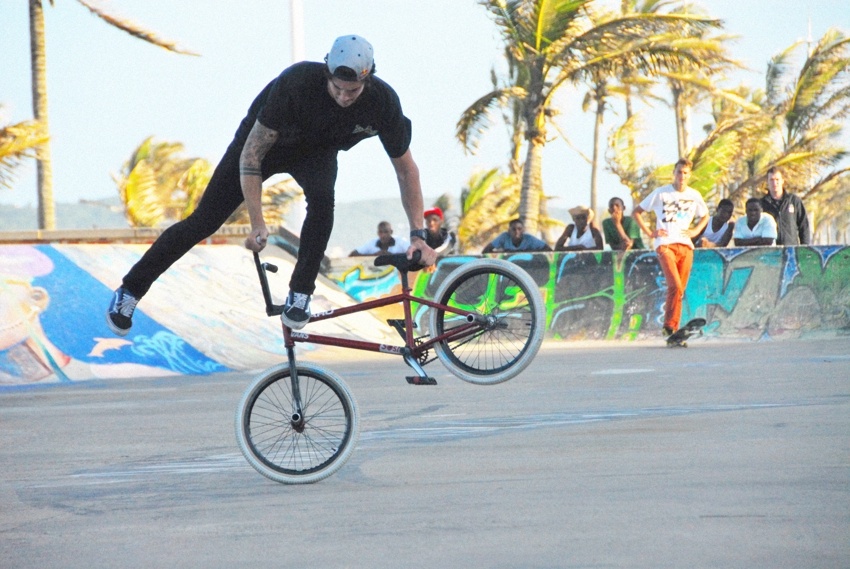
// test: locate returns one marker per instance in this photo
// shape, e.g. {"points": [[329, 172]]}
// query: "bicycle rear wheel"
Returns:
{"points": [[510, 319], [295, 450]]}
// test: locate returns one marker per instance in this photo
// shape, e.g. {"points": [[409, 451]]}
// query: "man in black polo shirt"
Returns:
{"points": [[297, 124], [792, 224]]}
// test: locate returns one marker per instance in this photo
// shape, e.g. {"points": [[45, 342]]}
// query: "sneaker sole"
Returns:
{"points": [[294, 324], [115, 329]]}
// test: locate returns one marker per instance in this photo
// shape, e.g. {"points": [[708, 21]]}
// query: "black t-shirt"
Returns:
{"points": [[298, 106]]}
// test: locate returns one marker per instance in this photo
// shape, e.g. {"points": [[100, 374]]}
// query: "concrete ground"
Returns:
{"points": [[599, 455]]}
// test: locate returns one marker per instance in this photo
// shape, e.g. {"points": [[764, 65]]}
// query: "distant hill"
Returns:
{"points": [[87, 214], [354, 222]]}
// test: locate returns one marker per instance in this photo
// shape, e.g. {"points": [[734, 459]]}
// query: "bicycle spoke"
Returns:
{"points": [[294, 447], [510, 315]]}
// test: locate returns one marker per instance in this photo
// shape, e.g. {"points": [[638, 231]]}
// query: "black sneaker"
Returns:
{"points": [[119, 316], [296, 310], [667, 332]]}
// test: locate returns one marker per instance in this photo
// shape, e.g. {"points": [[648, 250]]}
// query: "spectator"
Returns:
{"points": [[676, 206], [385, 243], [516, 239], [439, 238], [787, 210], [581, 234], [718, 232], [621, 232], [755, 229]]}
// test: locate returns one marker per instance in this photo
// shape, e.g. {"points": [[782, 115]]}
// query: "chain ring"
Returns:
{"points": [[422, 358]]}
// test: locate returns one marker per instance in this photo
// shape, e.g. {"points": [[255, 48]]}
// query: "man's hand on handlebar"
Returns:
{"points": [[257, 240], [429, 256]]}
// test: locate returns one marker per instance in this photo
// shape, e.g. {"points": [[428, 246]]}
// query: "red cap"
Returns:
{"points": [[434, 211]]}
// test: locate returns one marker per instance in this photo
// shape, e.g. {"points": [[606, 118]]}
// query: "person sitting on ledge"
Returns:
{"points": [[581, 234], [756, 228], [439, 238], [516, 239], [385, 243]]}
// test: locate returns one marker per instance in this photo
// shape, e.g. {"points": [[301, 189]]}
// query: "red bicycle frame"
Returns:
{"points": [[410, 351]]}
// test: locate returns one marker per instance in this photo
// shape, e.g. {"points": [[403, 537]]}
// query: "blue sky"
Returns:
{"points": [[109, 91]]}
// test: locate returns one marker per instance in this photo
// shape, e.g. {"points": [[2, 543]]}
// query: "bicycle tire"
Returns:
{"points": [[271, 443], [500, 350]]}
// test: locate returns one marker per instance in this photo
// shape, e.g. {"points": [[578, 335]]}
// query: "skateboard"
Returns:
{"points": [[679, 338]]}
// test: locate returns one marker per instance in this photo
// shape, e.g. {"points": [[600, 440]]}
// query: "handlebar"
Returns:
{"points": [[399, 261], [271, 308]]}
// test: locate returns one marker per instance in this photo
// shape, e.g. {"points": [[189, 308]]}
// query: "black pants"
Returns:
{"points": [[314, 171]]}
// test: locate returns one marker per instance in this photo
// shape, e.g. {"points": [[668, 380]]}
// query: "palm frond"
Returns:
{"points": [[475, 120], [777, 69], [17, 143], [143, 206], [133, 29]]}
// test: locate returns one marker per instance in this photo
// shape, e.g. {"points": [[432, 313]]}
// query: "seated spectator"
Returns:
{"points": [[516, 239], [755, 228], [385, 243], [581, 234], [620, 231], [718, 232], [439, 238]]}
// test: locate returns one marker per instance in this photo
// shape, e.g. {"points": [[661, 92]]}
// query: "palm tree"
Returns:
{"points": [[555, 43], [490, 199], [624, 83], [17, 142], [159, 187], [804, 117], [690, 85], [46, 212]]}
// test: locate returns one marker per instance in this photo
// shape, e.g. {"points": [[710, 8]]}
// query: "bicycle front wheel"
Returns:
{"points": [[292, 449], [509, 321]]}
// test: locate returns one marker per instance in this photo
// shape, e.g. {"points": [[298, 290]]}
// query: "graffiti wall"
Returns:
{"points": [[745, 293], [206, 313]]}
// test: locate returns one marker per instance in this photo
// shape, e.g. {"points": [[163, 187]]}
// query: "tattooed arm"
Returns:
{"points": [[259, 141]]}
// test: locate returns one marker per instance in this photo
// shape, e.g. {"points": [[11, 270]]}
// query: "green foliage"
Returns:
{"points": [[159, 187], [17, 142], [554, 43]]}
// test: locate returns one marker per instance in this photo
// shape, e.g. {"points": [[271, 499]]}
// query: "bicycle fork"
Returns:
{"points": [[297, 418]]}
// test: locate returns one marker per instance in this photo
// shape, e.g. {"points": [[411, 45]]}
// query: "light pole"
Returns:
{"points": [[296, 11]]}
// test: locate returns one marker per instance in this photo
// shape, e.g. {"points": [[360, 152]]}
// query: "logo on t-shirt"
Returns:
{"points": [[367, 129], [678, 209]]}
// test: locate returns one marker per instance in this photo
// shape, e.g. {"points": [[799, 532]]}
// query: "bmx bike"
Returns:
{"points": [[298, 423]]}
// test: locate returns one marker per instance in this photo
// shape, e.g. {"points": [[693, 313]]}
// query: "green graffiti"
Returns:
{"points": [[742, 292], [620, 298], [827, 276]]}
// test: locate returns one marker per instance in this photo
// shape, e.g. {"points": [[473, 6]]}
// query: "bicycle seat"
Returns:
{"points": [[400, 261]]}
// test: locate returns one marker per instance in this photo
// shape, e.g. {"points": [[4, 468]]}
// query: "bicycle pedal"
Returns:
{"points": [[419, 380]]}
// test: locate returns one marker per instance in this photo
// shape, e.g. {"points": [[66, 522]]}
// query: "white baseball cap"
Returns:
{"points": [[351, 58]]}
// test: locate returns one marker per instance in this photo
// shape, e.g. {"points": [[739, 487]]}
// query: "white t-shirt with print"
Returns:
{"points": [[675, 212]]}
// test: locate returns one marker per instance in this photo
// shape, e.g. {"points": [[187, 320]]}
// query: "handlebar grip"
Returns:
{"points": [[270, 268], [400, 261]]}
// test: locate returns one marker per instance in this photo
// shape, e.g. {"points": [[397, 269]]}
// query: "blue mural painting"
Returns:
{"points": [[54, 326]]}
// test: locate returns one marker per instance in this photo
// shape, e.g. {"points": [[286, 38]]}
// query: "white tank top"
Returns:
{"points": [[714, 236], [586, 240]]}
